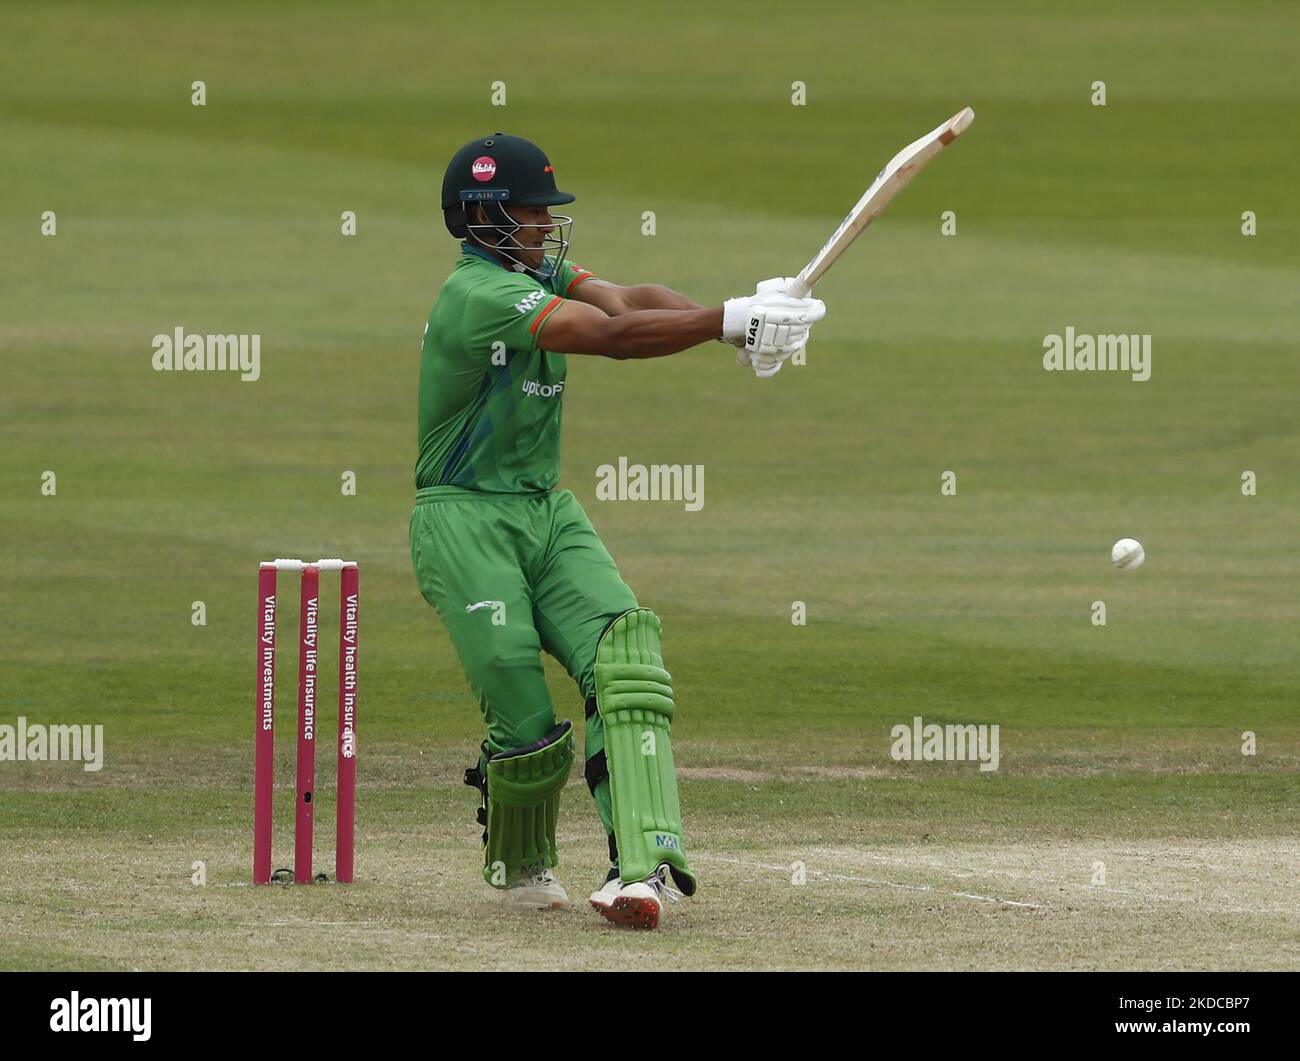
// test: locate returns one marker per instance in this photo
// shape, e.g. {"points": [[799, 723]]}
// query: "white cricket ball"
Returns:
{"points": [[1127, 554]]}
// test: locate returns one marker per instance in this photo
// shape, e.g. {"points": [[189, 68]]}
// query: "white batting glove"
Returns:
{"points": [[778, 285], [778, 310], [775, 326], [768, 365], [778, 322]]}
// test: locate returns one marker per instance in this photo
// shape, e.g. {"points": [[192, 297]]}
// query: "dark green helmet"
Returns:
{"points": [[501, 168], [500, 171]]}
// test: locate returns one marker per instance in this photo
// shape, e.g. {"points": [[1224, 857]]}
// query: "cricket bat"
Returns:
{"points": [[896, 175]]}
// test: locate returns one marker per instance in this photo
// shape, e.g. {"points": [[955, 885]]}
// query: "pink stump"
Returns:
{"points": [[264, 737], [349, 602], [307, 662]]}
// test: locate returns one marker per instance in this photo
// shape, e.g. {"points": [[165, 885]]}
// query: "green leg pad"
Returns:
{"points": [[523, 797], [634, 696]]}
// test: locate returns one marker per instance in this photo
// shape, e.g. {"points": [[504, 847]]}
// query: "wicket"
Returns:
{"points": [[264, 743]]}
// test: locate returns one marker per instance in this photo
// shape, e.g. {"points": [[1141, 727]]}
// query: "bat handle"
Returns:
{"points": [[800, 288]]}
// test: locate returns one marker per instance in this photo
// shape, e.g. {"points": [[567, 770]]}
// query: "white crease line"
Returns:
{"points": [[318, 924], [819, 875], [1005, 902], [1059, 883]]}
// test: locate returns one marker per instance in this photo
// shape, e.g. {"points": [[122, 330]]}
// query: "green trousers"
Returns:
{"points": [[512, 575]]}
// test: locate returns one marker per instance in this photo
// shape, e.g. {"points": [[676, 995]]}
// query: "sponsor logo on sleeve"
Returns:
{"points": [[530, 301]]}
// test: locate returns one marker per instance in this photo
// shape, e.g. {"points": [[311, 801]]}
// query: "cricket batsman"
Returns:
{"points": [[512, 564]]}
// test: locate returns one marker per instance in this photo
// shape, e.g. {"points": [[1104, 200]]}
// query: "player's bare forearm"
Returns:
{"points": [[659, 332], [576, 328], [655, 296], [616, 301]]}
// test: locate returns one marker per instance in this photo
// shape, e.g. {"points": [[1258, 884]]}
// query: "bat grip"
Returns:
{"points": [[800, 288]]}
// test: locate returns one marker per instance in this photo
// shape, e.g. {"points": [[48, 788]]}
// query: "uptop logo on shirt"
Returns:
{"points": [[542, 390]]}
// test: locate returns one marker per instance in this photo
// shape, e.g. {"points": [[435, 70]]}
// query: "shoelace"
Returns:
{"points": [[536, 874], [659, 881]]}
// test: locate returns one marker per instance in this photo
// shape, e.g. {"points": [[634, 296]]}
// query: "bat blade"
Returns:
{"points": [[896, 175]]}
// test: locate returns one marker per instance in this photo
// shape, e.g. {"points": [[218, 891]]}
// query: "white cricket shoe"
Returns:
{"points": [[636, 905], [612, 886], [537, 889]]}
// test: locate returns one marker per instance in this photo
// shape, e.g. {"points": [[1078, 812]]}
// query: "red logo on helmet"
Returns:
{"points": [[484, 168]]}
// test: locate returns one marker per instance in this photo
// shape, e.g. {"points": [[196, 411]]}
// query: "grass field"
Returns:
{"points": [[1120, 744]]}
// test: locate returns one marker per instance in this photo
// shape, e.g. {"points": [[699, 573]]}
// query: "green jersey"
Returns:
{"points": [[489, 395]]}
